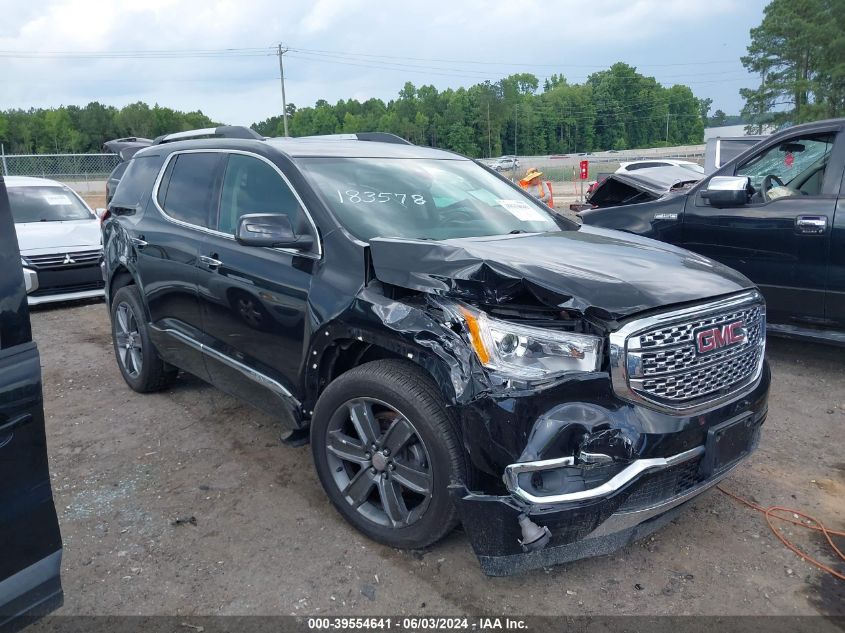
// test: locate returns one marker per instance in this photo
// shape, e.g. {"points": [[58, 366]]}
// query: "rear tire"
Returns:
{"points": [[138, 361], [386, 450]]}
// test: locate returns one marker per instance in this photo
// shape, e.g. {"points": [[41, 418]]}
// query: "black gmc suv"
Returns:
{"points": [[775, 213], [455, 351]]}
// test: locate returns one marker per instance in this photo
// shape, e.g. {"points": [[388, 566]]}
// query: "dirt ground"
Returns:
{"points": [[185, 503]]}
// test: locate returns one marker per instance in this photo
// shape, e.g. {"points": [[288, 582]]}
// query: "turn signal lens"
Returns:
{"points": [[475, 336]]}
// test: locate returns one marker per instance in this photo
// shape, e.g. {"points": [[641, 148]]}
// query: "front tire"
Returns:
{"points": [[386, 450], [138, 361]]}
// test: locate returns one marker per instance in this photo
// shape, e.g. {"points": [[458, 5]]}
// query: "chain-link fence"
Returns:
{"points": [[564, 169], [87, 173], [84, 172]]}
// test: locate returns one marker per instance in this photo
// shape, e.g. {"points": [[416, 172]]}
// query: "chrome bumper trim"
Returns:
{"points": [[626, 520], [631, 472]]}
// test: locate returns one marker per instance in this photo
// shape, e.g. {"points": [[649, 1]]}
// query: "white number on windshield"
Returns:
{"points": [[353, 196]]}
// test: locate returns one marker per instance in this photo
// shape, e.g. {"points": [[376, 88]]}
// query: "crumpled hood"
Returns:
{"points": [[46, 237], [610, 273]]}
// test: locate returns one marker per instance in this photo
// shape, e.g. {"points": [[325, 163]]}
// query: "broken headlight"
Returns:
{"points": [[526, 352]]}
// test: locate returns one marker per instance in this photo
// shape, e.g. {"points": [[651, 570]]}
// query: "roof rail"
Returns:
{"points": [[222, 131], [378, 137]]}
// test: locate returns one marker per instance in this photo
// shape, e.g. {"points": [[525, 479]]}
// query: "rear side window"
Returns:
{"points": [[187, 191], [137, 181]]}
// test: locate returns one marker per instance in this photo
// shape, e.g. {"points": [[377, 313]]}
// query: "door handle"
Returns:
{"points": [[210, 261], [811, 224], [139, 242], [11, 425]]}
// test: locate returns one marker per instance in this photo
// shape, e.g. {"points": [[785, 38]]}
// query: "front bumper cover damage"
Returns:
{"points": [[660, 465], [619, 471]]}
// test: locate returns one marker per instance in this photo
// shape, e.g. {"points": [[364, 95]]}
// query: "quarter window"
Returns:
{"points": [[187, 192], [252, 186]]}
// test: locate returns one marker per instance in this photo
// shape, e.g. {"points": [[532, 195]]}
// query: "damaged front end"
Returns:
{"points": [[587, 417]]}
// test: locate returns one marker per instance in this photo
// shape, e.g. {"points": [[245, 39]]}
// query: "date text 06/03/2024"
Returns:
{"points": [[416, 623]]}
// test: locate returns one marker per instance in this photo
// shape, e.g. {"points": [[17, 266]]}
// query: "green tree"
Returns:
{"points": [[718, 118], [798, 50]]}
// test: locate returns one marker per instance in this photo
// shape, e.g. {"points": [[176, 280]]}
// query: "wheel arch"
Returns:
{"points": [[337, 348]]}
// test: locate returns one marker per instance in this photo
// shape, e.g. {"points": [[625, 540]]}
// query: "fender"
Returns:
{"points": [[114, 237], [404, 331]]}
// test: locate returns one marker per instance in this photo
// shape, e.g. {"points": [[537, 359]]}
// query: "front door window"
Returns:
{"points": [[793, 168]]}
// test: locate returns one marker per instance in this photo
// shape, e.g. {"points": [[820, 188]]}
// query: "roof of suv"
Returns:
{"points": [[312, 146], [328, 146]]}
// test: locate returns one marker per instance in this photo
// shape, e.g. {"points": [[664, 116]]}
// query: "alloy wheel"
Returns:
{"points": [[128, 340], [379, 462]]}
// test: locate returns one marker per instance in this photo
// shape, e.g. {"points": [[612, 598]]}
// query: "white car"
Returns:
{"points": [[635, 165], [505, 163], [59, 238]]}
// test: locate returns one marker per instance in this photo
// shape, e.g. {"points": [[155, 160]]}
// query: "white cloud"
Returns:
{"points": [[571, 36]]}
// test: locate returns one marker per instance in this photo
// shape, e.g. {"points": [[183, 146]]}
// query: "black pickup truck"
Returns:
{"points": [[776, 213]]}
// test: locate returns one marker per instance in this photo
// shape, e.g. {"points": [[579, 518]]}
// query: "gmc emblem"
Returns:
{"points": [[714, 338]]}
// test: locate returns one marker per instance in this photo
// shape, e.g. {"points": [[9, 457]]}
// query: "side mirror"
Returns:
{"points": [[728, 191], [271, 230], [99, 212]]}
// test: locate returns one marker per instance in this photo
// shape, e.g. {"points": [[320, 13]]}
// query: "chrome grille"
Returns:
{"points": [[62, 260], [681, 355], [683, 333], [655, 359]]}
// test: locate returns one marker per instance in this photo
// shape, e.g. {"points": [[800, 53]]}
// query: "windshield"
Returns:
{"points": [[423, 199], [46, 204]]}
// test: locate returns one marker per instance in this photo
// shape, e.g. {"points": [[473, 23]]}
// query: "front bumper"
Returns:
{"points": [[53, 286], [668, 466]]}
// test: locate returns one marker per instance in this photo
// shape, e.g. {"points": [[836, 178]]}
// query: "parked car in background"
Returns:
{"points": [[600, 178], [60, 241], [775, 213], [506, 163], [641, 185], [454, 350], [30, 542], [637, 165], [125, 148], [114, 180]]}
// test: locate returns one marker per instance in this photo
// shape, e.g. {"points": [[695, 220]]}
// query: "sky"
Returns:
{"points": [[218, 56]]}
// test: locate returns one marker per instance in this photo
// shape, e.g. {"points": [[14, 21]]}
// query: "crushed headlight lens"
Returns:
{"points": [[527, 352]]}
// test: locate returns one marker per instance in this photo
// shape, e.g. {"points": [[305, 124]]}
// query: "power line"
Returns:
{"points": [[525, 64], [339, 58], [141, 54], [271, 50], [469, 74]]}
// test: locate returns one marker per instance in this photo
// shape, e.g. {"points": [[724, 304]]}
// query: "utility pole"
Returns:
{"points": [[282, 51], [515, 124], [667, 128], [489, 148]]}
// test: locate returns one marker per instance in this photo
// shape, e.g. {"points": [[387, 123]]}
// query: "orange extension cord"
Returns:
{"points": [[818, 527]]}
